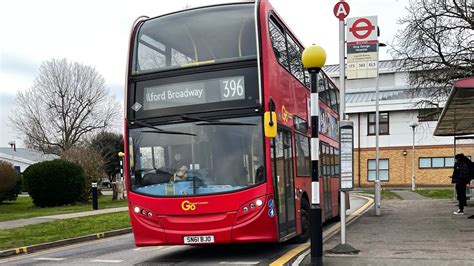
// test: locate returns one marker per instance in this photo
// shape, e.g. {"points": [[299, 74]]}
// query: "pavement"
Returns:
{"points": [[409, 195], [413, 231], [49, 218]]}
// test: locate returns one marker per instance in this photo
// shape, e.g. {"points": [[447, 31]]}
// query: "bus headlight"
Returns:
{"points": [[249, 209]]}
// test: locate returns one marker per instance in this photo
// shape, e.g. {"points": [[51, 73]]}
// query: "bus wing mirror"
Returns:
{"points": [[270, 120]]}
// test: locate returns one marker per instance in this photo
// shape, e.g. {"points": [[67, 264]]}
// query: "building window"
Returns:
{"points": [[383, 170], [303, 161], [383, 123], [435, 162]]}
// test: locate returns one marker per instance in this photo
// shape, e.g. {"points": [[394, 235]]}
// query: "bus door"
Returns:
{"points": [[282, 169]]}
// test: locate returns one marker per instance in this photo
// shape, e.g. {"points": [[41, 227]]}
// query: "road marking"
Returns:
{"points": [[107, 261], [334, 229], [329, 233], [161, 248], [290, 254], [301, 257], [72, 246], [50, 259]]}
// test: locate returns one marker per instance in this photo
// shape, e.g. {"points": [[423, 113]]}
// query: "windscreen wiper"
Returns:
{"points": [[208, 122], [159, 130]]}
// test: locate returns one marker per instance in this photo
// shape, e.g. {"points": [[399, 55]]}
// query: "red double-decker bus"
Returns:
{"points": [[216, 129]]}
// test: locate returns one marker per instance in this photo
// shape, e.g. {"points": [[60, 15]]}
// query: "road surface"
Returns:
{"points": [[122, 251]]}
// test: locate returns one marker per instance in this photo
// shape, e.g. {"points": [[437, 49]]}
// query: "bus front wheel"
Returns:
{"points": [[304, 216]]}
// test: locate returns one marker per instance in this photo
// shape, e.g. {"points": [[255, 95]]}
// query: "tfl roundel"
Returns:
{"points": [[362, 29]]}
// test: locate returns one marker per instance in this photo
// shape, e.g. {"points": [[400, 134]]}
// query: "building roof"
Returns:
{"points": [[457, 117], [25, 155], [383, 96]]}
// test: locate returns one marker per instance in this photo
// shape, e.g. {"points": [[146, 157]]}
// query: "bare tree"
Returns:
{"points": [[436, 45], [67, 102]]}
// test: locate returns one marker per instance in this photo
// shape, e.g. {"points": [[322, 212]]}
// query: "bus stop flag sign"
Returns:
{"points": [[362, 55], [341, 10]]}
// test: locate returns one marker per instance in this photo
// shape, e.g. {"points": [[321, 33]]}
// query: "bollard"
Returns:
{"points": [[95, 203]]}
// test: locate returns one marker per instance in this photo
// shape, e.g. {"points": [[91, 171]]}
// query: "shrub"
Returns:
{"points": [[10, 182], [54, 183], [8, 176], [13, 193]]}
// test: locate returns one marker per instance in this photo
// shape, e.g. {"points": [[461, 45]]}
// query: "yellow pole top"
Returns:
{"points": [[313, 56], [121, 154]]}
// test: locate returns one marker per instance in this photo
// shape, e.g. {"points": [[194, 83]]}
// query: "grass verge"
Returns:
{"points": [[385, 194], [62, 229], [445, 193], [23, 208]]}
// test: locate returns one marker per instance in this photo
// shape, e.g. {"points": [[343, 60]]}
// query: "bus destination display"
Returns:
{"points": [[194, 92]]}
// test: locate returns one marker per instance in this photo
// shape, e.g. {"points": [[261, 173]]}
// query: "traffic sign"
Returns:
{"points": [[341, 10], [362, 52], [362, 29]]}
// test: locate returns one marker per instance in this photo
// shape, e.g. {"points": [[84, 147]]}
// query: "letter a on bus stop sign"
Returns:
{"points": [[341, 10]]}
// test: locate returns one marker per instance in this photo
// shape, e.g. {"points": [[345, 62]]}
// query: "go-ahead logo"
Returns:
{"points": [[187, 205]]}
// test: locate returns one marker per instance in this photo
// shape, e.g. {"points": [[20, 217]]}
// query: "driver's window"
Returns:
{"points": [[146, 159], [152, 157]]}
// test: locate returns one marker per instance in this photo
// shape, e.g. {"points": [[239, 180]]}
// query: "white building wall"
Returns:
{"points": [[23, 164], [401, 134]]}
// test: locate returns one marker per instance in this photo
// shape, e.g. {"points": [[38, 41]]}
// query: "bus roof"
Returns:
{"points": [[457, 117]]}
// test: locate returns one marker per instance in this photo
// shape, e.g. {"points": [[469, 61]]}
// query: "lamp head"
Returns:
{"points": [[413, 124], [121, 154], [313, 57]]}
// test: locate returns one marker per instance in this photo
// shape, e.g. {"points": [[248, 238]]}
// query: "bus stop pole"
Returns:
{"points": [[342, 109]]}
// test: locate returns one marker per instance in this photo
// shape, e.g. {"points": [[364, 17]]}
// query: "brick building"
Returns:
{"points": [[397, 107]]}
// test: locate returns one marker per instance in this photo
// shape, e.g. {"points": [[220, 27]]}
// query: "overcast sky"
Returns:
{"points": [[96, 33]]}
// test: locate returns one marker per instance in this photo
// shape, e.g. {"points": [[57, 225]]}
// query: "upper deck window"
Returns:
{"points": [[198, 36]]}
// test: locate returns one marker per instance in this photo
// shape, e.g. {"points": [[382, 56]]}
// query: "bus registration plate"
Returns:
{"points": [[198, 239]]}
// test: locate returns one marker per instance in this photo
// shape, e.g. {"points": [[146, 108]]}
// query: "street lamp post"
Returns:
{"points": [[313, 59], [413, 125]]}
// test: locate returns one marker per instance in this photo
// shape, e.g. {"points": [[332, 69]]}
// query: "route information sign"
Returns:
{"points": [[362, 55], [347, 156]]}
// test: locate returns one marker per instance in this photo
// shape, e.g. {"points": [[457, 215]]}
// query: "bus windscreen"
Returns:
{"points": [[197, 158], [191, 38]]}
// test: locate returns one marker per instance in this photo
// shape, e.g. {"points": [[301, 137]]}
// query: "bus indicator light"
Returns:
{"points": [[136, 210], [259, 202]]}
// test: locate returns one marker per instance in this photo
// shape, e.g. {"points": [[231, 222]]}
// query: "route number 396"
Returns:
{"points": [[233, 88]]}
